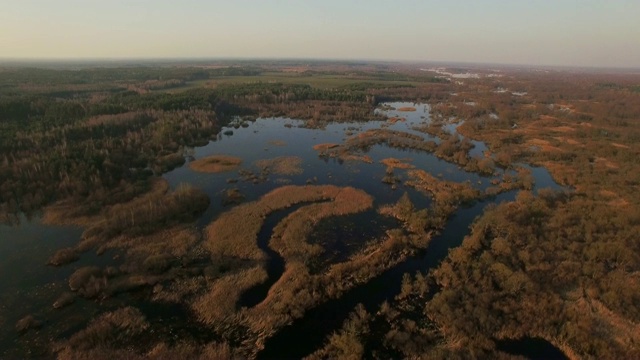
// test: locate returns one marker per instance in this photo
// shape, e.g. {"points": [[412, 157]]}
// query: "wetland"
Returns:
{"points": [[271, 220]]}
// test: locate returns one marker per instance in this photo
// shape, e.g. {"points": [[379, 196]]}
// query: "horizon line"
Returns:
{"points": [[82, 59]]}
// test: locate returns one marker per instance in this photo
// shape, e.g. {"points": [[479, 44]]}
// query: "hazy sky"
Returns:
{"points": [[541, 32]]}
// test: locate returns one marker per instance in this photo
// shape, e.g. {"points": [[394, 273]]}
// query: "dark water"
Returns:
{"points": [[28, 286], [275, 262], [531, 348]]}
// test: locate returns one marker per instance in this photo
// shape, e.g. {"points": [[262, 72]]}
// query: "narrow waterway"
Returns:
{"points": [[308, 333], [275, 262]]}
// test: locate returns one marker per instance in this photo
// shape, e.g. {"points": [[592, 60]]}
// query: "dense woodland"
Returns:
{"points": [[89, 144]]}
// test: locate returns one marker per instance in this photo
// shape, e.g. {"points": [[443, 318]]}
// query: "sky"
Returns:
{"points": [[540, 32]]}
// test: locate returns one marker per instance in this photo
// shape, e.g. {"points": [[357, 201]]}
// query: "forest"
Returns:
{"points": [[91, 147]]}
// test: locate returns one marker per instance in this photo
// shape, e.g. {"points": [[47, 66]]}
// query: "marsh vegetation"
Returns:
{"points": [[351, 160]]}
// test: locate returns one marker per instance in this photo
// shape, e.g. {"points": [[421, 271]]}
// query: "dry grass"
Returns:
{"points": [[562, 129], [624, 332], [325, 146], [175, 241], [620, 146], [393, 120], [145, 215], [109, 330], [407, 109], [289, 235], [353, 157], [234, 233], [212, 351], [543, 145], [178, 291], [564, 139], [61, 213], [607, 163], [282, 165], [216, 164], [218, 305], [443, 192], [394, 163]]}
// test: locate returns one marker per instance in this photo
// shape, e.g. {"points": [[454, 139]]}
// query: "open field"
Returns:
{"points": [[316, 81]]}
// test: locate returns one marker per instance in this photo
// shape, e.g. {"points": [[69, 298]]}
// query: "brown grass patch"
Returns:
{"points": [[289, 235], [298, 290], [567, 140], [61, 213], [393, 120], [621, 146], [352, 157], [325, 146], [615, 200], [135, 225], [560, 172], [618, 203], [544, 145], [562, 129], [606, 162], [397, 163], [282, 165], [445, 192], [216, 164], [625, 332], [234, 233], [407, 109], [112, 329], [220, 302], [175, 241]]}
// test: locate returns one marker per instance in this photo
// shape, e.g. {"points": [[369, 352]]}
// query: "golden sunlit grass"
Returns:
{"points": [[220, 302], [289, 235], [394, 163], [325, 146], [175, 241], [443, 192], [353, 157], [282, 165], [234, 233], [216, 164], [297, 290]]}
